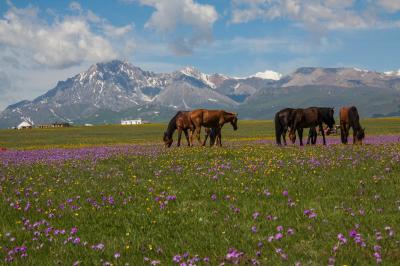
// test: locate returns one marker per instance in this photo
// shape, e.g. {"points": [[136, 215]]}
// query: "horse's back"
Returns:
{"points": [[353, 115], [349, 114], [344, 114], [206, 117]]}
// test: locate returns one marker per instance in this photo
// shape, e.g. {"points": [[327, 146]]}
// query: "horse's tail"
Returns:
{"points": [[278, 129]]}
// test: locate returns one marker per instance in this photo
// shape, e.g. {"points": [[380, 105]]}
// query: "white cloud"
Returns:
{"points": [[63, 42], [36, 53], [316, 14], [169, 15]]}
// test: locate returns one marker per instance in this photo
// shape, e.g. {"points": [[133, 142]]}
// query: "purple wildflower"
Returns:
{"points": [[342, 239], [177, 258]]}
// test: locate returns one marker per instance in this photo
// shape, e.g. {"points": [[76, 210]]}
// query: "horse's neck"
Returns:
{"points": [[228, 117], [171, 129], [356, 125]]}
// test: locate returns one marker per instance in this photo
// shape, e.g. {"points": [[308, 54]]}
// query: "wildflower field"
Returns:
{"points": [[114, 195]]}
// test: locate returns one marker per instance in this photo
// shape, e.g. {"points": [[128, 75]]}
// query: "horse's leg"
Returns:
{"points": [[187, 136], [300, 133], [198, 134], [283, 137], [179, 136], [206, 137], [354, 136], [342, 132], [314, 140], [309, 137], [219, 136], [323, 133], [192, 131], [191, 136], [346, 132]]}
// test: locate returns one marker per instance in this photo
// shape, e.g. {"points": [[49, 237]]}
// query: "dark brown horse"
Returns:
{"points": [[349, 118], [282, 123], [211, 119], [180, 122], [308, 118]]}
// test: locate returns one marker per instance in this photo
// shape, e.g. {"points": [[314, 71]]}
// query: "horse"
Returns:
{"points": [[310, 117], [213, 134], [180, 122], [349, 118], [211, 119], [282, 122]]}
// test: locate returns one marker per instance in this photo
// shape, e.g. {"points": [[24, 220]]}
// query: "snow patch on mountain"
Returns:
{"points": [[392, 73], [193, 72]]}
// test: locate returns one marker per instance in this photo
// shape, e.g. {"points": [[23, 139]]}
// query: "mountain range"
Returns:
{"points": [[110, 91]]}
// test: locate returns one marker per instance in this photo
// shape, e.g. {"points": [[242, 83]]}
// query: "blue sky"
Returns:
{"points": [[44, 41]]}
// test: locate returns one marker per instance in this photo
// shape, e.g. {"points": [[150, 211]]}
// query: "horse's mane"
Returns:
{"points": [[229, 113], [172, 124]]}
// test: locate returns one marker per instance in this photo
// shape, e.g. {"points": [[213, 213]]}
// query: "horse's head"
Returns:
{"points": [[167, 140], [292, 135], [360, 136], [329, 119], [234, 121]]}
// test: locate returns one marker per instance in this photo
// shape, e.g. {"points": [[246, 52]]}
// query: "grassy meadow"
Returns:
{"points": [[113, 195], [152, 133]]}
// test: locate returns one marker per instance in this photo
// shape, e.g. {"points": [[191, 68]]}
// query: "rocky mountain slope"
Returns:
{"points": [[109, 91]]}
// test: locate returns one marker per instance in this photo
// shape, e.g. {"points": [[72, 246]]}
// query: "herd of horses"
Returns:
{"points": [[288, 120]]}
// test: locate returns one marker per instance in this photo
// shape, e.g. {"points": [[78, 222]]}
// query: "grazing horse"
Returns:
{"points": [[310, 117], [212, 119], [214, 135], [282, 122], [349, 118], [180, 122]]}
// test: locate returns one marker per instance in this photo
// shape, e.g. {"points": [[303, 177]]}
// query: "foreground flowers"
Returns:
{"points": [[250, 203]]}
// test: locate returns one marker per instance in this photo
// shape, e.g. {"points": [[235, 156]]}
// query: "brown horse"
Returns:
{"points": [[349, 118], [211, 119], [180, 122], [308, 118]]}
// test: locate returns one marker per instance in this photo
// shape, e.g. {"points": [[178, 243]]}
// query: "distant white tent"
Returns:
{"points": [[24, 125], [132, 122]]}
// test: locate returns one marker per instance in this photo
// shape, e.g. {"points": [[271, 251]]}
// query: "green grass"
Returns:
{"points": [[347, 186], [116, 134]]}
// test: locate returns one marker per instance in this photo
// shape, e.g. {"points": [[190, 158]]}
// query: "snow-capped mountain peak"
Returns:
{"points": [[392, 73], [267, 74], [195, 73]]}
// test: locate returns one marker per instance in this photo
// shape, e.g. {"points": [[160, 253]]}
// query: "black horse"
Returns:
{"points": [[282, 123], [308, 118]]}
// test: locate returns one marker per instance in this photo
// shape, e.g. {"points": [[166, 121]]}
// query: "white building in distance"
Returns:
{"points": [[132, 122], [24, 125]]}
